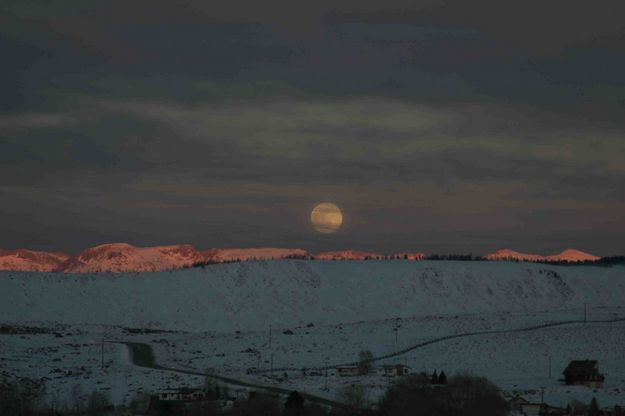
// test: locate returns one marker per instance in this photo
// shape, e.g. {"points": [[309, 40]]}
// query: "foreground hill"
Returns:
{"points": [[251, 295]]}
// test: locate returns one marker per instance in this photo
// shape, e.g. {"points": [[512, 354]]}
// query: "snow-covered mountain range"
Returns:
{"points": [[31, 260], [571, 255], [122, 257]]}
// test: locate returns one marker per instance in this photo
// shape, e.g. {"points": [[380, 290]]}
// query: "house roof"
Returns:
{"points": [[183, 390], [582, 367], [519, 399]]}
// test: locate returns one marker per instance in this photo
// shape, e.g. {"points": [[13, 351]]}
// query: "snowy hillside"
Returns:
{"points": [[250, 295], [332, 310]]}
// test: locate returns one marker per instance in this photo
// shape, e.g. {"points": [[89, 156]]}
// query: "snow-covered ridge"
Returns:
{"points": [[347, 255], [122, 257], [219, 255], [252, 295], [570, 255], [31, 260]]}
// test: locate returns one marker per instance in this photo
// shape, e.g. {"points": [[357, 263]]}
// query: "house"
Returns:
{"points": [[522, 407], [186, 402], [396, 370], [583, 373], [532, 409], [614, 411], [392, 370], [515, 404], [542, 409], [348, 371], [184, 394]]}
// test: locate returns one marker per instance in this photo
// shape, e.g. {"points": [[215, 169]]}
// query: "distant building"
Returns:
{"points": [[522, 407], [393, 370], [184, 394], [516, 404], [396, 370], [583, 373], [348, 371], [186, 401]]}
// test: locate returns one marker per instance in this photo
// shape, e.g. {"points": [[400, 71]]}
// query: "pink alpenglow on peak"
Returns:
{"points": [[348, 255], [122, 257], [507, 254], [31, 260], [220, 255], [570, 255]]}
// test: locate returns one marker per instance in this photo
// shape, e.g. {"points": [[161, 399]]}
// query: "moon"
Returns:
{"points": [[326, 217]]}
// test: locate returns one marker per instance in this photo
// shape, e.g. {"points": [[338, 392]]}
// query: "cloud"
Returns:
{"points": [[476, 117], [305, 140], [29, 121], [291, 128], [532, 26]]}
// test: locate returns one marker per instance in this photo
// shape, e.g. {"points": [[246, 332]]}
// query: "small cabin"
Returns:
{"points": [[348, 371], [184, 394], [516, 403], [396, 370], [392, 370], [583, 373]]}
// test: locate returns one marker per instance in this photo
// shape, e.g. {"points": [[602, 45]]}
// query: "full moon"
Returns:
{"points": [[326, 217]]}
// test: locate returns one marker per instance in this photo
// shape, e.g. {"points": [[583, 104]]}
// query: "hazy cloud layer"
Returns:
{"points": [[435, 125]]}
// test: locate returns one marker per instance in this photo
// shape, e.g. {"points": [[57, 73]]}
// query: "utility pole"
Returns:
{"points": [[397, 322], [550, 367], [325, 384], [258, 360], [269, 336]]}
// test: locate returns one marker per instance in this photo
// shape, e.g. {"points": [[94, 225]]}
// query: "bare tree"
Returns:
{"points": [[78, 401], [98, 403], [355, 396], [21, 396], [365, 362], [465, 395]]}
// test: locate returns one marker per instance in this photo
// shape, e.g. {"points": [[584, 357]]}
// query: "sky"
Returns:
{"points": [[436, 126]]}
